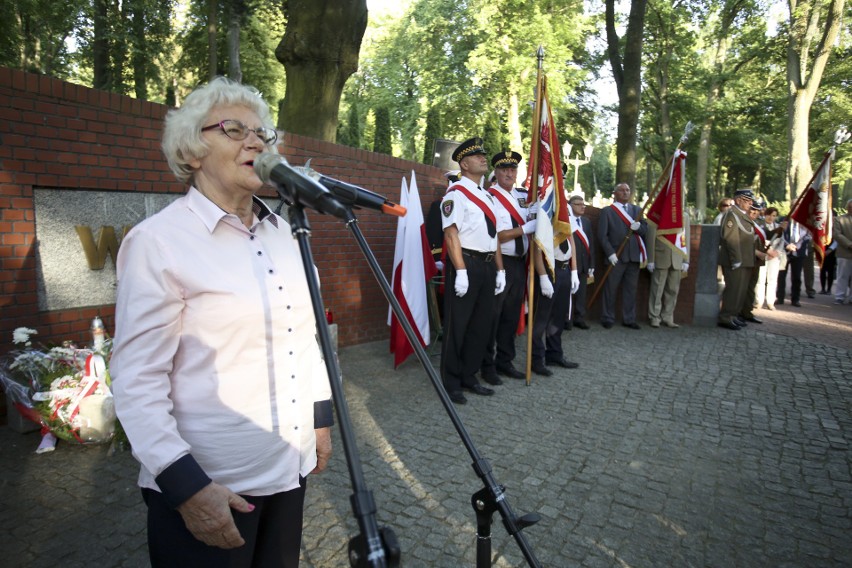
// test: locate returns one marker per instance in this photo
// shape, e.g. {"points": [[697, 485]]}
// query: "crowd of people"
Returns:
{"points": [[759, 254]]}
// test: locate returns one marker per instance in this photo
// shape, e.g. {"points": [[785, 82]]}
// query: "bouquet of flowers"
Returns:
{"points": [[65, 388]]}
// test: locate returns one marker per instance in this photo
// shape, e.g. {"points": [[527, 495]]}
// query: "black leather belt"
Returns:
{"points": [[486, 256], [563, 264]]}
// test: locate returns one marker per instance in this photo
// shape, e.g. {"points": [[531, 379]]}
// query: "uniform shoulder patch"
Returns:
{"points": [[730, 223], [447, 207]]}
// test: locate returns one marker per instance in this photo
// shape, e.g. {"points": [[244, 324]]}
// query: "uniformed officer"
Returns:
{"points": [[762, 253], [584, 250], [736, 257], [474, 272], [513, 228]]}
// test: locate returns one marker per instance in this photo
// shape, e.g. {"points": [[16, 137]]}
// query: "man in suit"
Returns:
{"points": [[584, 250], [798, 250], [618, 223], [666, 263], [736, 257], [842, 234]]}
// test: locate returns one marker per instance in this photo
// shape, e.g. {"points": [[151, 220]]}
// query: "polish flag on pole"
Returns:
{"points": [[413, 267]]}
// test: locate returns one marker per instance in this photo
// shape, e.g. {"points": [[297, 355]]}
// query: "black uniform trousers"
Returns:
{"points": [[273, 534], [747, 310], [579, 315], [507, 312], [467, 322], [549, 316]]}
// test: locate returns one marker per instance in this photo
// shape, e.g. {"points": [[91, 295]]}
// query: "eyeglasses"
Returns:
{"points": [[236, 130]]}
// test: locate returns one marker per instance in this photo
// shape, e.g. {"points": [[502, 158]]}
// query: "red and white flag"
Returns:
{"points": [[413, 267], [666, 212], [554, 222], [813, 208]]}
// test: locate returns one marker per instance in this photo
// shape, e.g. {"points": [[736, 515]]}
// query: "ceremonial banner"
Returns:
{"points": [[666, 212], [812, 209], [554, 222], [414, 266]]}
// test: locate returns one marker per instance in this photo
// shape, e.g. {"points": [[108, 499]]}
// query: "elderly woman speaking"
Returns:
{"points": [[219, 381]]}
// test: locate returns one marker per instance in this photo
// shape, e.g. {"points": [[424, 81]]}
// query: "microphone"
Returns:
{"points": [[357, 196], [274, 168]]}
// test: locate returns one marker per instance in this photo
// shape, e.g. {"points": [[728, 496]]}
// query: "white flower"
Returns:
{"points": [[22, 335]]}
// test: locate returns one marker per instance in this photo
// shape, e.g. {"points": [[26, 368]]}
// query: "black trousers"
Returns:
{"points": [[273, 534], [507, 311], [549, 318], [467, 323]]}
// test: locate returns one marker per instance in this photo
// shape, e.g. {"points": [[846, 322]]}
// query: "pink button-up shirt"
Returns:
{"points": [[215, 351]]}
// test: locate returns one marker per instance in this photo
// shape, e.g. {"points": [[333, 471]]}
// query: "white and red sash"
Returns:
{"points": [[628, 220], [578, 230], [489, 214], [761, 234], [507, 205]]}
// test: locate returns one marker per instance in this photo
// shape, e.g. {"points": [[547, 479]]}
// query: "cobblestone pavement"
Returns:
{"points": [[676, 448]]}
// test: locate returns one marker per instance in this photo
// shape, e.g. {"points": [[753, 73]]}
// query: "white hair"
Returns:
{"points": [[182, 140]]}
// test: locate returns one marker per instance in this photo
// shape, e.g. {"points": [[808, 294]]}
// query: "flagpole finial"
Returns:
{"points": [[539, 55], [686, 132], [841, 135]]}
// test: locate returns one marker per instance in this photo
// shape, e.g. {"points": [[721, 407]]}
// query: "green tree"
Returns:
{"points": [[433, 133], [33, 34], [382, 136]]}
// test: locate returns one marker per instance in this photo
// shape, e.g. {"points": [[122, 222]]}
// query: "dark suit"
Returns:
{"points": [[585, 262], [796, 260], [612, 231]]}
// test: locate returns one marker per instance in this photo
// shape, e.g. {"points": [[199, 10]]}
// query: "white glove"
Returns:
{"points": [[533, 210], [736, 265], [546, 286], [591, 272], [575, 282], [613, 260], [529, 226], [461, 283], [500, 283], [634, 226], [439, 265], [685, 267], [650, 266]]}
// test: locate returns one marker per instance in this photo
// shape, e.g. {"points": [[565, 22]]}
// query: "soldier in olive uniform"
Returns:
{"points": [[736, 257]]}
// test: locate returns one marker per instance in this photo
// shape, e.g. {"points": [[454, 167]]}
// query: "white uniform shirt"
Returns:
{"points": [[504, 219], [469, 219], [215, 350]]}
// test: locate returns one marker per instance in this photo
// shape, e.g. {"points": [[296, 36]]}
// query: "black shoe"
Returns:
{"points": [[739, 321], [824, 293], [563, 363], [729, 325], [607, 324], [581, 325], [457, 397], [754, 319], [796, 304], [510, 372], [480, 390], [540, 369], [633, 325], [492, 379], [811, 295]]}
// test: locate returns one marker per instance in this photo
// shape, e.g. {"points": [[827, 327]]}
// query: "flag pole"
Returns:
{"points": [[536, 141], [651, 197]]}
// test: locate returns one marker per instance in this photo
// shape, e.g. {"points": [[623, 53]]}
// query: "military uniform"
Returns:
{"points": [[665, 279], [467, 319], [511, 212], [736, 257]]}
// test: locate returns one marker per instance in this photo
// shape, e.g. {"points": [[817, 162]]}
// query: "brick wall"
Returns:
{"points": [[59, 135]]}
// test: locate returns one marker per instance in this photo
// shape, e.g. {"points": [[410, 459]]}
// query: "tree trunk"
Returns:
{"points": [[100, 46], [140, 51], [235, 69], [627, 72], [802, 82], [319, 52], [212, 15]]}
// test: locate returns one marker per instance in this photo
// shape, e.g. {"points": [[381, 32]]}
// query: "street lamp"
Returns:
{"points": [[576, 162]]}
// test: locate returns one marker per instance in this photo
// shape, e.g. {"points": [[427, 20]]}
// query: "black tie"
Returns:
{"points": [[563, 246], [519, 241], [492, 230]]}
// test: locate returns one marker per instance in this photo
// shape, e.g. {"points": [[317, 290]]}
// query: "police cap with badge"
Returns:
{"points": [[470, 147], [744, 194], [506, 159]]}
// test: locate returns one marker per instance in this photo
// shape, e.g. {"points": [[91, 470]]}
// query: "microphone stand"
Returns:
{"points": [[491, 497], [374, 547]]}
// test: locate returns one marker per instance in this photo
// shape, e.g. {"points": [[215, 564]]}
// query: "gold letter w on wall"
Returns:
{"points": [[107, 244]]}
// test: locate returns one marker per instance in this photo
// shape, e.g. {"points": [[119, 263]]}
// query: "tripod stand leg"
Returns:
{"points": [[484, 509]]}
